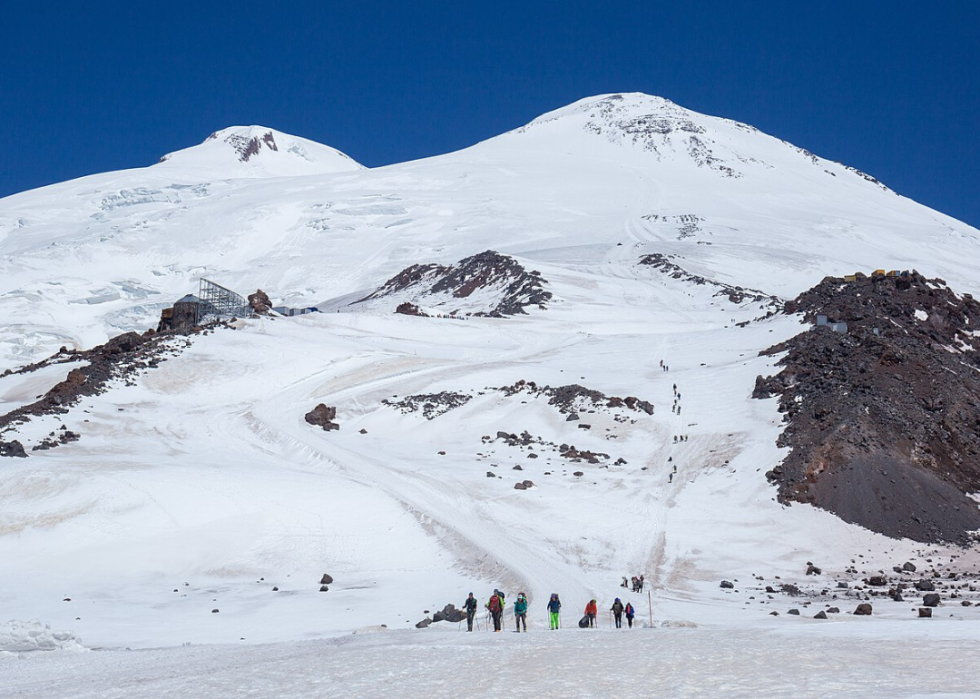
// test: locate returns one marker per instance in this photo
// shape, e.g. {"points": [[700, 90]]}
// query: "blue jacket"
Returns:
{"points": [[554, 605]]}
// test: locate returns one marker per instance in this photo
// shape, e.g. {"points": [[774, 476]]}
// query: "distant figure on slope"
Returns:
{"points": [[633, 583], [520, 611], [470, 606], [591, 611], [554, 607], [496, 606], [624, 583], [630, 612], [617, 610], [640, 586]]}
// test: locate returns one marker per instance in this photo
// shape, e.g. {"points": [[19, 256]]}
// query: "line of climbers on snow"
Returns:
{"points": [[496, 605]]}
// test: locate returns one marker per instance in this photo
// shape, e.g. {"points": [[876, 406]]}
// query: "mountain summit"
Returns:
{"points": [[258, 151]]}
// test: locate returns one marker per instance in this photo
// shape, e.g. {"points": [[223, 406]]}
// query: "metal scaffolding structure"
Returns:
{"points": [[217, 302]]}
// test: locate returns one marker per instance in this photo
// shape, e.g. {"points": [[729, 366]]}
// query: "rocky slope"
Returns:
{"points": [[486, 284], [883, 419]]}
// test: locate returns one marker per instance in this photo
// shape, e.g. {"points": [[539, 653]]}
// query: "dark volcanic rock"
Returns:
{"points": [[735, 294], [326, 579], [882, 419], [863, 610], [122, 358], [514, 287], [323, 416], [432, 405], [931, 600], [820, 615], [925, 613], [12, 448], [728, 585]]}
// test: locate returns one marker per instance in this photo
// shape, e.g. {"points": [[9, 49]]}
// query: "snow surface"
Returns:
{"points": [[201, 487], [809, 659]]}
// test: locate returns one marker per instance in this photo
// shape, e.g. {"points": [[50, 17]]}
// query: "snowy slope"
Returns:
{"points": [[201, 487]]}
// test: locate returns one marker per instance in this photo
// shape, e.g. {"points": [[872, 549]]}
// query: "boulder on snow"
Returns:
{"points": [[12, 449], [324, 588], [727, 585], [259, 302], [863, 610], [812, 569], [925, 586], [925, 612], [877, 581], [323, 416], [326, 579], [931, 600], [820, 615], [908, 567], [449, 613], [794, 612], [520, 486], [424, 624]]}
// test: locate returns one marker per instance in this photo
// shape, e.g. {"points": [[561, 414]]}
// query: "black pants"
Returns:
{"points": [[469, 619], [591, 620], [520, 618], [496, 620], [629, 620], [619, 620]]}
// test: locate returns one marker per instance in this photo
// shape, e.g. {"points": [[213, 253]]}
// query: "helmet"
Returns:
{"points": [[617, 599]]}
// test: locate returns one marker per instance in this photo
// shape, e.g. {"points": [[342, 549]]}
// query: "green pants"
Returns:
{"points": [[554, 620]]}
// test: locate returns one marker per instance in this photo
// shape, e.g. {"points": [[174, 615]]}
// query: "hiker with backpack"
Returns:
{"points": [[496, 606], [470, 606], [630, 613], [591, 611], [617, 610], [520, 611], [554, 607]]}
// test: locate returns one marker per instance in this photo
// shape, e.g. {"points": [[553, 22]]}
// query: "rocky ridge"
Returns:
{"points": [[513, 287], [882, 415]]}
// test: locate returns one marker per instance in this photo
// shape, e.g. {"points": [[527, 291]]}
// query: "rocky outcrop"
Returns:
{"points": [[883, 415], [259, 302], [735, 294], [323, 416], [432, 405], [120, 359], [12, 449], [509, 287]]}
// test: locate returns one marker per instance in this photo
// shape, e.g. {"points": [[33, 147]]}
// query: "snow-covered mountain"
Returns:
{"points": [[197, 484]]}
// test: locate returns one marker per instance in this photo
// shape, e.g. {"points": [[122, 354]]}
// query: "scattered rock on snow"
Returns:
{"points": [[931, 600], [727, 585], [326, 579], [863, 610]]}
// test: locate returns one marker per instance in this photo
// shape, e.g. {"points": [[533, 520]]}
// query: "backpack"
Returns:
{"points": [[494, 604], [629, 610], [583, 623]]}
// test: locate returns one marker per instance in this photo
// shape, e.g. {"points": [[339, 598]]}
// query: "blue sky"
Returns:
{"points": [[892, 88]]}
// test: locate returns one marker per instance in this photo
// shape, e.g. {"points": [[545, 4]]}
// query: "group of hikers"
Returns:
{"points": [[497, 602], [636, 582]]}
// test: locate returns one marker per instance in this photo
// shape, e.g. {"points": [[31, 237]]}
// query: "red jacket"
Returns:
{"points": [[590, 609]]}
